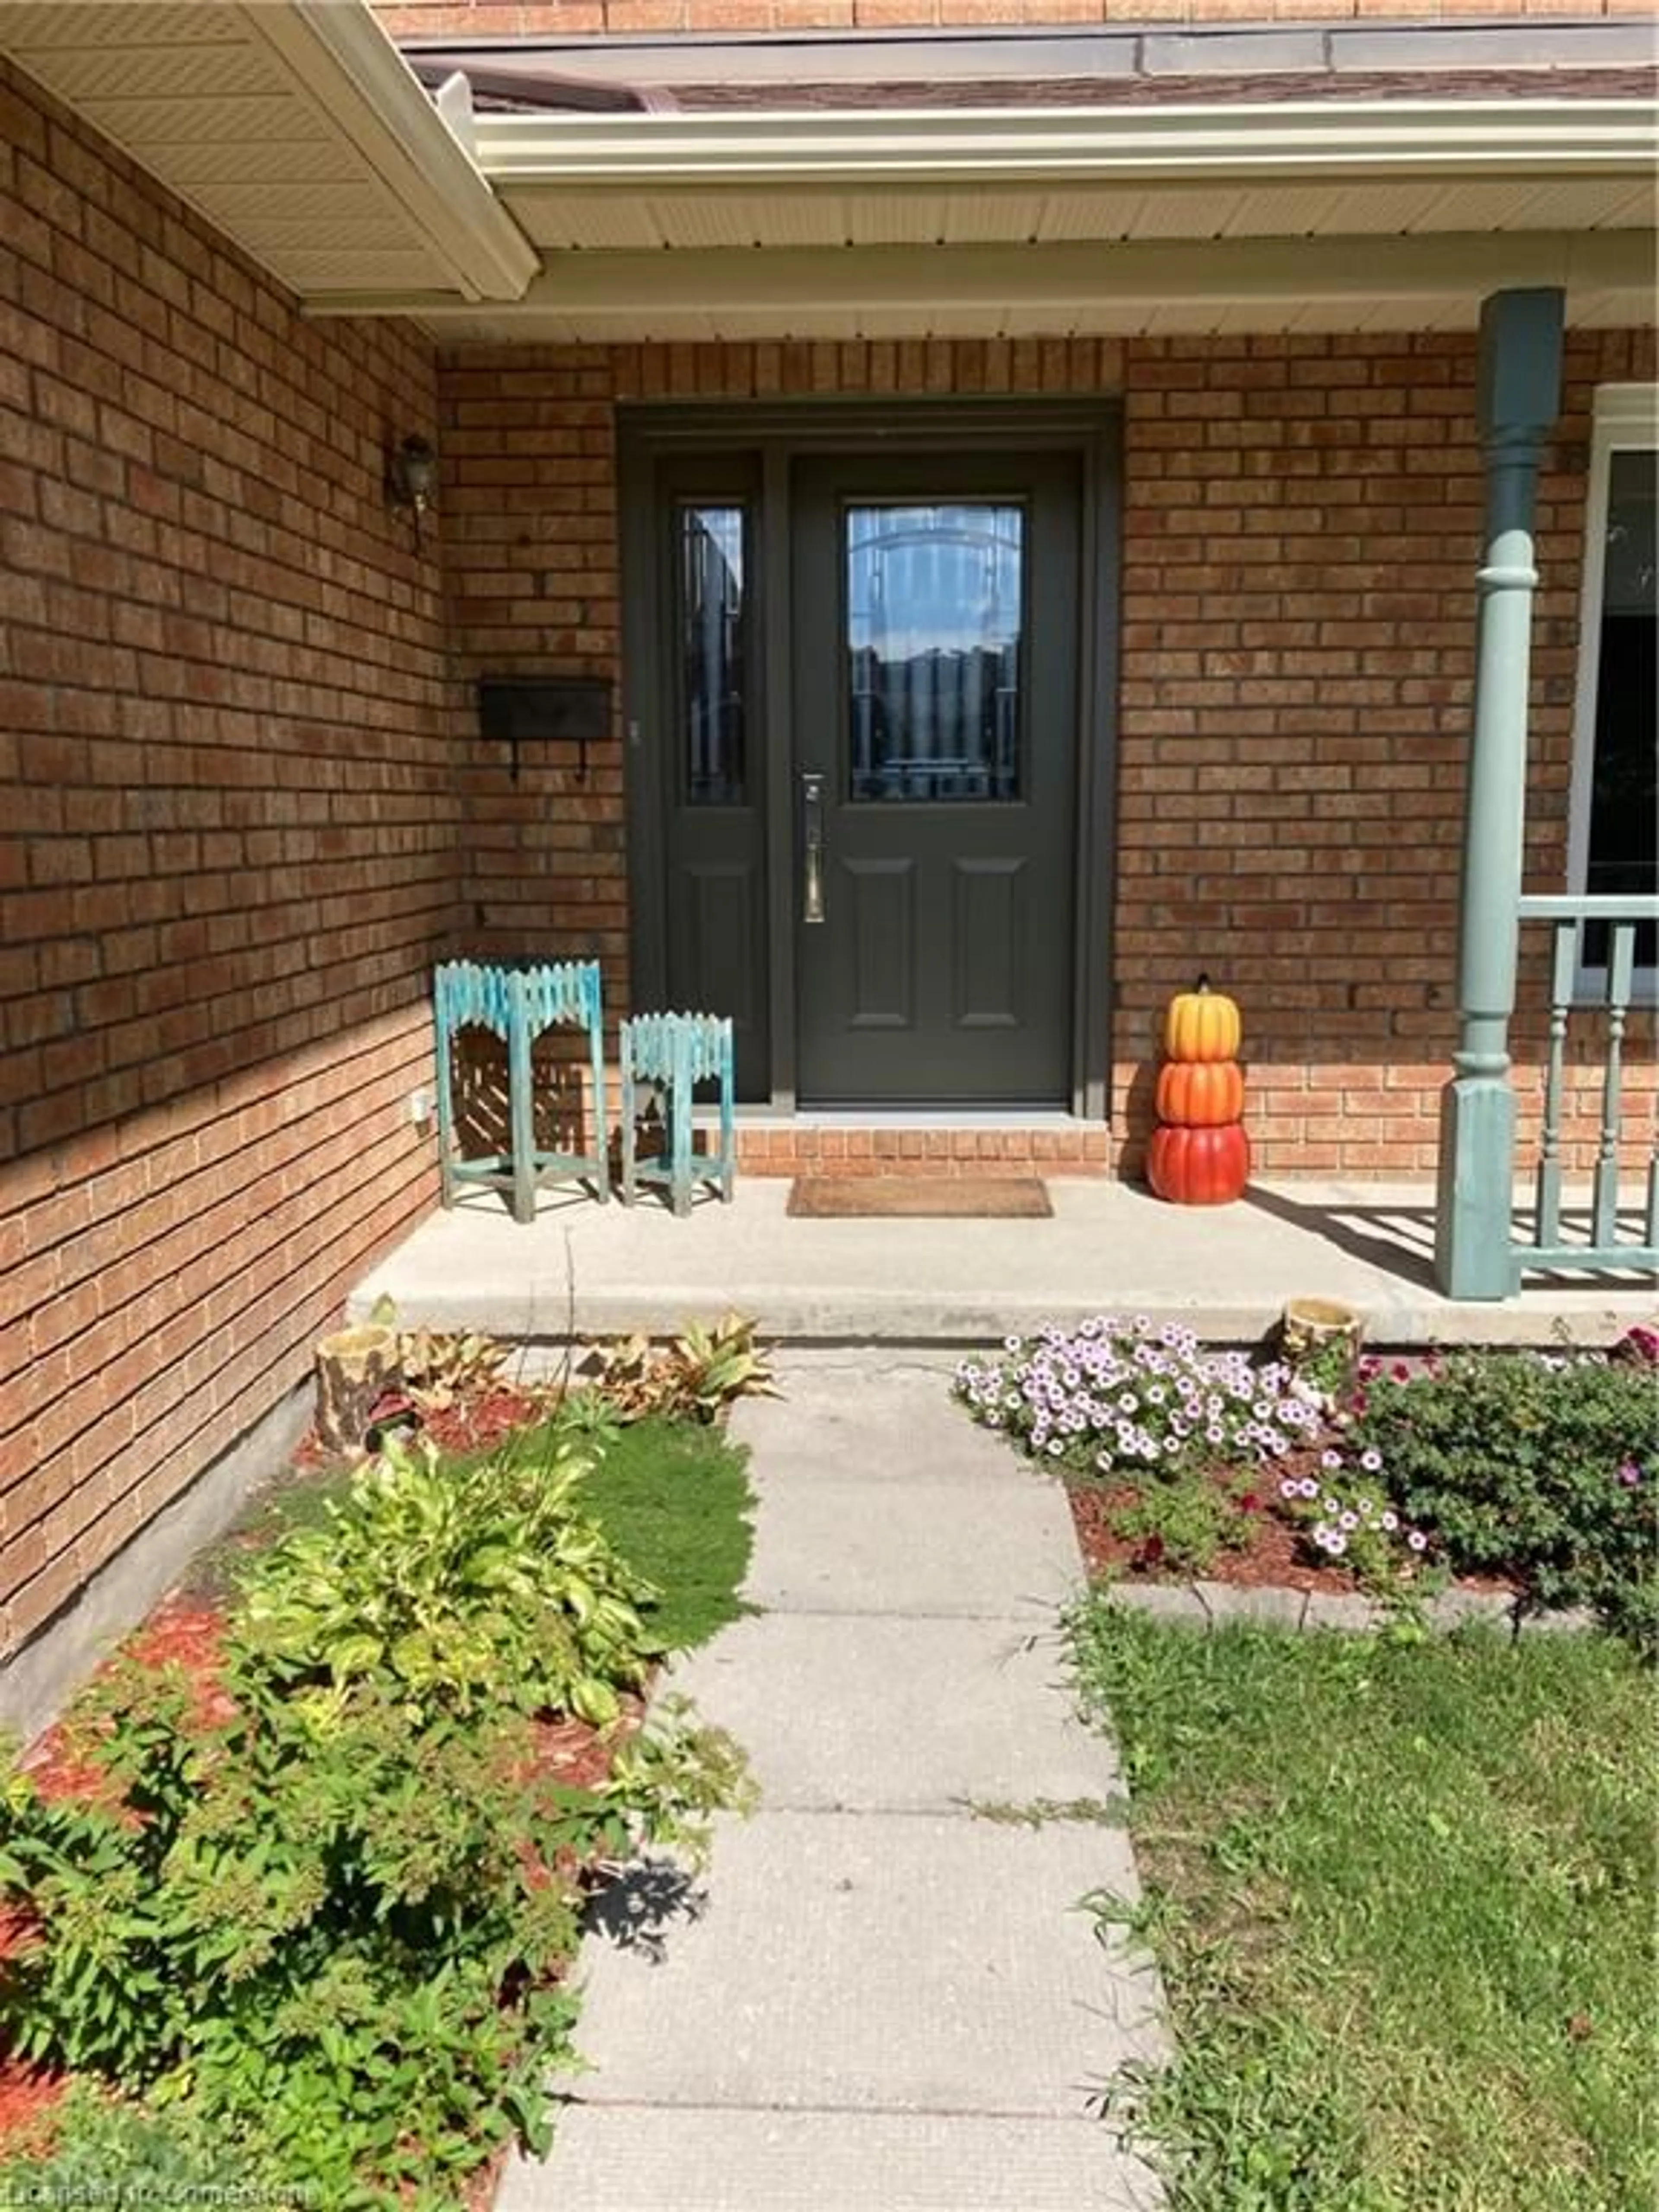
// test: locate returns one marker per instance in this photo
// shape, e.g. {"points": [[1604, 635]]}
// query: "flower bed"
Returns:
{"points": [[1514, 1472], [290, 1895]]}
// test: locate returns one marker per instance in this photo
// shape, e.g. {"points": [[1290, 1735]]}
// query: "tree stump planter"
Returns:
{"points": [[1321, 1338], [355, 1370]]}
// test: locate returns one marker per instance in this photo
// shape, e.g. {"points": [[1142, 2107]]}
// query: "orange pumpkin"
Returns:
{"points": [[1200, 1094], [1200, 1167], [1201, 1025]]}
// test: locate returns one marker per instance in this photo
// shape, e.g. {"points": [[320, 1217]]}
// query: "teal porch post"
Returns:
{"points": [[1519, 395]]}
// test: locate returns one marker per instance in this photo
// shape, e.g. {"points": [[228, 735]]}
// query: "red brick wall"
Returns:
{"points": [[1302, 527], [228, 846], [1302, 522], [500, 19]]}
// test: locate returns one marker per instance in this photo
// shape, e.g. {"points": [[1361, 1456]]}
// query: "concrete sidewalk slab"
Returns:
{"points": [[907, 1716], [637, 2160], [893, 1962], [831, 1546], [832, 1424]]}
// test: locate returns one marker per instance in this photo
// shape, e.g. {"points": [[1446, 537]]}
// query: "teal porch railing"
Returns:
{"points": [[1599, 1249]]}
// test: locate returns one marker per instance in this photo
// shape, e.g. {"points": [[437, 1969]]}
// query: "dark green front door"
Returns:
{"points": [[934, 707]]}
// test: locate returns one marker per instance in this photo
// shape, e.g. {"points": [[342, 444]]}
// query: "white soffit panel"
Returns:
{"points": [[222, 98], [611, 218]]}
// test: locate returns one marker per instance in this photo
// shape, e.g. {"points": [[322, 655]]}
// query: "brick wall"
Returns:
{"points": [[507, 19], [229, 841], [1302, 523]]}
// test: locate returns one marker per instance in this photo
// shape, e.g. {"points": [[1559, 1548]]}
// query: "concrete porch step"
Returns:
{"points": [[1225, 1271]]}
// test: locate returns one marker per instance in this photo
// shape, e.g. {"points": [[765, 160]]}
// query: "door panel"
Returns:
{"points": [[934, 628], [990, 939], [878, 897]]}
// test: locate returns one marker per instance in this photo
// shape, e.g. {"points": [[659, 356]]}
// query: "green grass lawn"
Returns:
{"points": [[674, 1498], [1403, 1897]]}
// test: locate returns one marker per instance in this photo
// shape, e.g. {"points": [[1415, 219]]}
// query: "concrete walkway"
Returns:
{"points": [[889, 2001]]}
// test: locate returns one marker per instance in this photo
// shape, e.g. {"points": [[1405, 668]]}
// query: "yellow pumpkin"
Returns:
{"points": [[1201, 1025]]}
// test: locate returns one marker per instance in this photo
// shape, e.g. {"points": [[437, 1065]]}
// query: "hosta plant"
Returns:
{"points": [[459, 1591], [694, 1377]]}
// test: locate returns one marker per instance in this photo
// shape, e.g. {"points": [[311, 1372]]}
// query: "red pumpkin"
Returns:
{"points": [[1201, 1094], [1200, 1167]]}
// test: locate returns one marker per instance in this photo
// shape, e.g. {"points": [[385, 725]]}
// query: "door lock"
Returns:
{"points": [[811, 804]]}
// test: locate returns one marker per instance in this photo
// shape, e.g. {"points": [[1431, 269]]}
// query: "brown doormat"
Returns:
{"points": [[920, 1198]]}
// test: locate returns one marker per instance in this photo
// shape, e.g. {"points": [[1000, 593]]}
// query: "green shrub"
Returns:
{"points": [[98, 2148], [1541, 1468]]}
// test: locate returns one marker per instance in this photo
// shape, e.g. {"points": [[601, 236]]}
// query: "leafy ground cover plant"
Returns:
{"points": [[674, 1498], [1401, 1895], [1539, 1467], [312, 1894], [1113, 1398]]}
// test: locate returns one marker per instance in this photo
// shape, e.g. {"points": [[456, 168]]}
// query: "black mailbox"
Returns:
{"points": [[527, 710]]}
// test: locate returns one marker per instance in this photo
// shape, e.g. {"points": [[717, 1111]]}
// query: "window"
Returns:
{"points": [[1612, 846], [935, 627], [711, 616]]}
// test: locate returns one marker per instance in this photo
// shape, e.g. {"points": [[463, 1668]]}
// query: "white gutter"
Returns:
{"points": [[1244, 142], [349, 67]]}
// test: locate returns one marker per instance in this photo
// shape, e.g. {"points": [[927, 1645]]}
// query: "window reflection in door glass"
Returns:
{"points": [[710, 622], [935, 606]]}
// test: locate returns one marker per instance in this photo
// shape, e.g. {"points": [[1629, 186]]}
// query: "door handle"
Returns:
{"points": [[811, 807]]}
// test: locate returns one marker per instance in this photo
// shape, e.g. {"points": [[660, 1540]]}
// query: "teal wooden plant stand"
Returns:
{"points": [[518, 1003], [669, 1054]]}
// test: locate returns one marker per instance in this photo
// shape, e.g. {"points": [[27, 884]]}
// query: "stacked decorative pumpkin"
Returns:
{"points": [[1200, 1154]]}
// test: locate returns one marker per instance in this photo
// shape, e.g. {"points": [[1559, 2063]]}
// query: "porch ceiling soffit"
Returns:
{"points": [[1333, 217], [295, 126], [1069, 289]]}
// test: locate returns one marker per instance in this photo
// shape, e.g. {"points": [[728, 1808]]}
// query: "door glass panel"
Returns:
{"points": [[710, 620], [935, 599]]}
